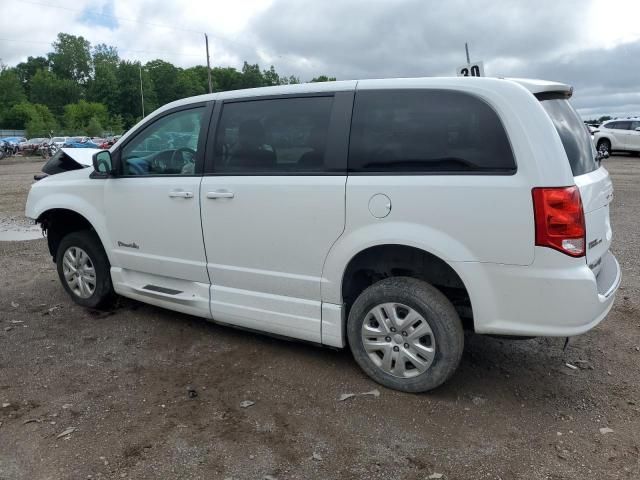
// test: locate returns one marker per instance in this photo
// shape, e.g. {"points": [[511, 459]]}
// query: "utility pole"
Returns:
{"points": [[141, 90], [206, 41], [466, 47]]}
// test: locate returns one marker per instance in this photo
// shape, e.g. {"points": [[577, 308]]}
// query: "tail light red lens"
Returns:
{"points": [[559, 219]]}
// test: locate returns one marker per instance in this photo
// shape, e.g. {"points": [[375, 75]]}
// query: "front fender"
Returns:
{"points": [[73, 191]]}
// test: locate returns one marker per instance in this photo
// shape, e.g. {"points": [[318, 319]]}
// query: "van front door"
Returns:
{"points": [[153, 213], [272, 207]]}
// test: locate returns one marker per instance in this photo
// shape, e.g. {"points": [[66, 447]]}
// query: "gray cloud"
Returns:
{"points": [[562, 40], [364, 39]]}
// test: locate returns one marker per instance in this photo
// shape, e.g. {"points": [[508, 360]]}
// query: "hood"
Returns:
{"points": [[83, 156], [67, 159]]}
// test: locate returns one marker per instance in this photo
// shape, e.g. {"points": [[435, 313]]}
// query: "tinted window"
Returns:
{"points": [[575, 137], [285, 135], [619, 125], [634, 125], [427, 131], [166, 147]]}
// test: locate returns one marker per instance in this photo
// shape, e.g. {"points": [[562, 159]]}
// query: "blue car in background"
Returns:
{"points": [[10, 145], [79, 142]]}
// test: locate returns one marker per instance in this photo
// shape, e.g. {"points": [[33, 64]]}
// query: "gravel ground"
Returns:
{"points": [[120, 379]]}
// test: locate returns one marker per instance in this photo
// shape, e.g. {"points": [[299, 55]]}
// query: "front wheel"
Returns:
{"points": [[405, 334], [84, 269]]}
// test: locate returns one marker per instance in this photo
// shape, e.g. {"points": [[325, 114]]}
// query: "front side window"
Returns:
{"points": [[166, 147], [286, 135], [422, 131], [634, 125]]}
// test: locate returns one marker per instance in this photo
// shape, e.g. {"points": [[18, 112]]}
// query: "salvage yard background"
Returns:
{"points": [[110, 395]]}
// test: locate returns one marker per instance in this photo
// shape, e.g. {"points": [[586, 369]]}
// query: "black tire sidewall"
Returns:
{"points": [[90, 243], [605, 142], [435, 308]]}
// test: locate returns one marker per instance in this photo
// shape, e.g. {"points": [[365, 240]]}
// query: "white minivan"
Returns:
{"points": [[387, 215]]}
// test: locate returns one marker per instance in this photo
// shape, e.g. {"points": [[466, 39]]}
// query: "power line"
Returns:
{"points": [[142, 22], [115, 17], [163, 52]]}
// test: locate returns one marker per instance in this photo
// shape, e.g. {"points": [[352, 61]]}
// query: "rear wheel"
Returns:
{"points": [[405, 334], [84, 269], [604, 146]]}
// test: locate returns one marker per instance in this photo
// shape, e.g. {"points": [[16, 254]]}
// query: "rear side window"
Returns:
{"points": [[287, 135], [573, 133], [427, 131]]}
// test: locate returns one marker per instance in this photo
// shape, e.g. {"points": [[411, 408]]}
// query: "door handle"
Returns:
{"points": [[219, 194], [180, 194]]}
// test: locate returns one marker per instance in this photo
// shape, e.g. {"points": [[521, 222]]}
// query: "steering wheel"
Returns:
{"points": [[181, 150]]}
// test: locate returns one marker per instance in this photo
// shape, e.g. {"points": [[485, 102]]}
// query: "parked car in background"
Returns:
{"points": [[33, 145], [621, 135], [13, 143], [383, 214], [58, 141], [109, 142], [79, 142]]}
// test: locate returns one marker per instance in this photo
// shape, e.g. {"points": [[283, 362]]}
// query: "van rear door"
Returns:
{"points": [[596, 189]]}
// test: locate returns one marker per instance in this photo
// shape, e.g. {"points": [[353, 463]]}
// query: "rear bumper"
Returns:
{"points": [[542, 299]]}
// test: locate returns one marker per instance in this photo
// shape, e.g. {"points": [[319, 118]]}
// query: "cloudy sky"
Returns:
{"points": [[591, 44]]}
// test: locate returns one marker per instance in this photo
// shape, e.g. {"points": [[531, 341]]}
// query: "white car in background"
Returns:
{"points": [[59, 141], [621, 135]]}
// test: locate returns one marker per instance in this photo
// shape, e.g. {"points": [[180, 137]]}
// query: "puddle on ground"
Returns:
{"points": [[17, 228]]}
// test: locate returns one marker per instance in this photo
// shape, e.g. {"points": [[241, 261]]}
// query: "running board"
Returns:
{"points": [[156, 288]]}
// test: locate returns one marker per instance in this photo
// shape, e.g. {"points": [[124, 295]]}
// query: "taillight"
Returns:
{"points": [[559, 219]]}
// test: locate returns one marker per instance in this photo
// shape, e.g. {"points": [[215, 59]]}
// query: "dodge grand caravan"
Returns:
{"points": [[382, 214]]}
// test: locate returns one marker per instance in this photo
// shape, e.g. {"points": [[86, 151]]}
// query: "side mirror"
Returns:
{"points": [[102, 163]]}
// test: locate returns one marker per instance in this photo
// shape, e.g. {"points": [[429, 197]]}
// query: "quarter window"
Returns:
{"points": [[286, 135], [439, 131], [168, 146]]}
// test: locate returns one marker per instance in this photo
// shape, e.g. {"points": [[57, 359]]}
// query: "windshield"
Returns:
{"points": [[573, 133]]}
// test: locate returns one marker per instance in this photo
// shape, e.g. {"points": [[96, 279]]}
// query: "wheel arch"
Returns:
{"points": [[60, 221], [380, 261]]}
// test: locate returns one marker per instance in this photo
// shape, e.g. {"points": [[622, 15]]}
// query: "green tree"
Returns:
{"points": [[116, 125], [270, 77], [71, 58], [11, 91], [103, 53], [165, 79], [129, 98], [103, 86], [27, 70], [94, 127], [199, 75], [190, 84], [54, 92], [225, 78], [36, 119], [323, 78], [78, 116], [604, 118], [251, 76]]}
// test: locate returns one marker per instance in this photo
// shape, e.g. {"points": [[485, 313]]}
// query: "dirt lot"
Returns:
{"points": [[513, 411]]}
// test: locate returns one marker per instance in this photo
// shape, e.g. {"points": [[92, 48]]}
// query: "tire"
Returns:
{"points": [[85, 247], [604, 145], [421, 302]]}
